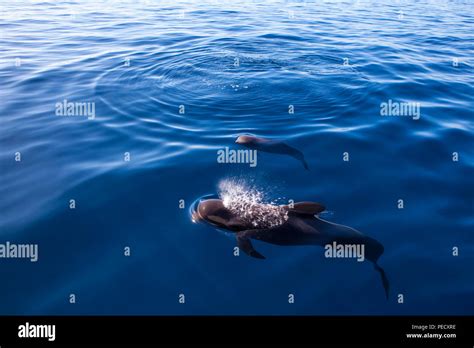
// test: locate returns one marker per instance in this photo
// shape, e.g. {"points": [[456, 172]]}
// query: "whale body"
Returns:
{"points": [[271, 146], [296, 224]]}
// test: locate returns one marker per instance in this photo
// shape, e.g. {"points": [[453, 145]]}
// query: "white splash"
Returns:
{"points": [[248, 203]]}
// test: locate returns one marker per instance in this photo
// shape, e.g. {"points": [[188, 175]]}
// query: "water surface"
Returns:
{"points": [[173, 82]]}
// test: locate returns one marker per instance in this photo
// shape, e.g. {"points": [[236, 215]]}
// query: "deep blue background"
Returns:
{"points": [[183, 54]]}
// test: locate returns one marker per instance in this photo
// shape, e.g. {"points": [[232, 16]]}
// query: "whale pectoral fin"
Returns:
{"points": [[307, 208], [244, 244]]}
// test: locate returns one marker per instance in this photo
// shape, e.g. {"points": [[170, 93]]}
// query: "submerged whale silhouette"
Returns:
{"points": [[271, 146], [297, 224]]}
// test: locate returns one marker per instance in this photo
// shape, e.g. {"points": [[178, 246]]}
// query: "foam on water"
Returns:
{"points": [[248, 203]]}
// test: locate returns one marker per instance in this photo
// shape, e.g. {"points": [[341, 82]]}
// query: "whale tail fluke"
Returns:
{"points": [[299, 156], [305, 164], [386, 284]]}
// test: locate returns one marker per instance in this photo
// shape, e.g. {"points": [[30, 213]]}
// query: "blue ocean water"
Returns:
{"points": [[171, 83]]}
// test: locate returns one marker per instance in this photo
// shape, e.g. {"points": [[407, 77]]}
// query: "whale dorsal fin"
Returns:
{"points": [[306, 208]]}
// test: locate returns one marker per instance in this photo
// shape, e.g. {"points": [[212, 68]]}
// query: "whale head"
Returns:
{"points": [[214, 212], [244, 139]]}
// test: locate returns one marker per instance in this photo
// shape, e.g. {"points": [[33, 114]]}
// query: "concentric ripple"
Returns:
{"points": [[183, 90]]}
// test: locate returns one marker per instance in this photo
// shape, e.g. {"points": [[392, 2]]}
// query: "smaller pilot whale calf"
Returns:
{"points": [[271, 146], [295, 224]]}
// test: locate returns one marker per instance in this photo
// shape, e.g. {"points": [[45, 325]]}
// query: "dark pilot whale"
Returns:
{"points": [[271, 146], [301, 227]]}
